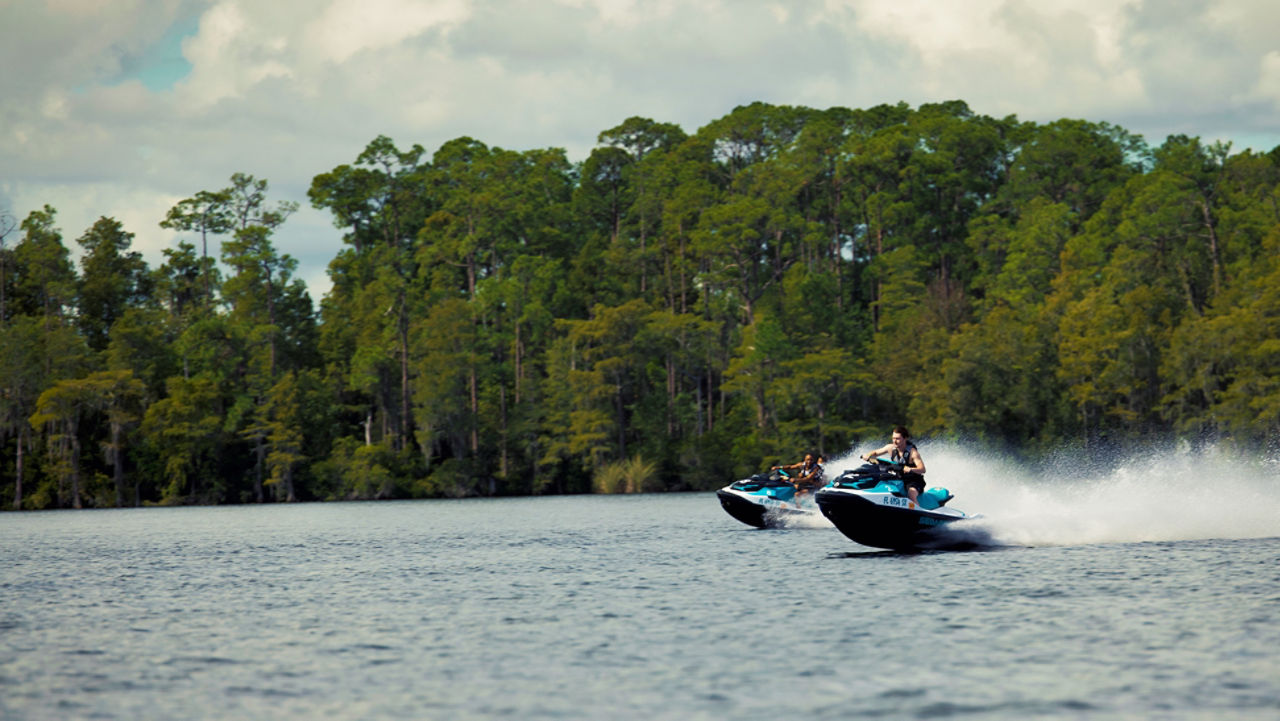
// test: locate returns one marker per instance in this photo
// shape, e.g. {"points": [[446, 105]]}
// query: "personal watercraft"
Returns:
{"points": [[869, 504], [767, 500]]}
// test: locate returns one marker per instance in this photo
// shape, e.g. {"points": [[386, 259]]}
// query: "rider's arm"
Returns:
{"points": [[877, 452], [915, 464]]}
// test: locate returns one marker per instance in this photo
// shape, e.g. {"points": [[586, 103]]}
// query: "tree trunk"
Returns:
{"points": [[75, 468], [260, 451], [684, 297], [502, 408], [17, 489], [698, 406], [117, 468], [2, 293], [622, 423], [204, 266], [475, 410], [405, 429], [519, 362], [271, 318], [697, 397], [671, 396], [1213, 248]]}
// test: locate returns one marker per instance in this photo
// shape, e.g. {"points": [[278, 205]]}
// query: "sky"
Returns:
{"points": [[122, 108]]}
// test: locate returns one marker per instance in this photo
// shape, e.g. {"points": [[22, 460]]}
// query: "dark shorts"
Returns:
{"points": [[914, 480]]}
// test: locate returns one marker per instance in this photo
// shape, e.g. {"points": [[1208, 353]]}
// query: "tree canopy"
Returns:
{"points": [[674, 311]]}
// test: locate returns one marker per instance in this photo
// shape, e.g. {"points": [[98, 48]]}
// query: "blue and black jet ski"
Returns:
{"points": [[869, 504], [767, 500]]}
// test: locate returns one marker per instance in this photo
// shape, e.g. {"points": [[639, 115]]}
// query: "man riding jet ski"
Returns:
{"points": [[777, 498], [871, 505]]}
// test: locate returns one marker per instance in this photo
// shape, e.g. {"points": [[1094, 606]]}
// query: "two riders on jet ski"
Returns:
{"points": [[808, 473]]}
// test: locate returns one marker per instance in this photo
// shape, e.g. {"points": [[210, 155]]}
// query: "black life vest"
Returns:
{"points": [[902, 457]]}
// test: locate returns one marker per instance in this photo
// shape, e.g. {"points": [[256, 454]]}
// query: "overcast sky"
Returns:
{"points": [[121, 108]]}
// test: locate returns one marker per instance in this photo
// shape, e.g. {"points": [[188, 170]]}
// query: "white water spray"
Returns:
{"points": [[1152, 496]]}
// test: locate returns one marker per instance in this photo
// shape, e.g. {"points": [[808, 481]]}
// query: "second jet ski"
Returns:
{"points": [[767, 500]]}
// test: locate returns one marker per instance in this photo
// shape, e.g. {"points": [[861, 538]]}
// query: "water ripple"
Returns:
{"points": [[654, 607]]}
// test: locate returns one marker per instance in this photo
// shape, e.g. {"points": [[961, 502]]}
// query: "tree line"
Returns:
{"points": [[675, 311]]}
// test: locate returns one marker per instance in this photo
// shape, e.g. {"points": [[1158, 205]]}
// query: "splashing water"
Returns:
{"points": [[1170, 495], [814, 519]]}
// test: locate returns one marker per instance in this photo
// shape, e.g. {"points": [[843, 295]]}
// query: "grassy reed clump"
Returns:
{"points": [[631, 475]]}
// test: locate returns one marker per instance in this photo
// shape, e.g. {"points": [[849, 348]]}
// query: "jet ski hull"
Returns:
{"points": [[743, 509], [762, 511], [885, 520]]}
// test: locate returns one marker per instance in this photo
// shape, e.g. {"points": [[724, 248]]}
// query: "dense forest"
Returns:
{"points": [[672, 313]]}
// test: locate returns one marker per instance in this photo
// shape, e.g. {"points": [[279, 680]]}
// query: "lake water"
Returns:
{"points": [[1131, 593]]}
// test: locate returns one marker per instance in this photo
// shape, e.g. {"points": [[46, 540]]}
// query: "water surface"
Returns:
{"points": [[643, 607]]}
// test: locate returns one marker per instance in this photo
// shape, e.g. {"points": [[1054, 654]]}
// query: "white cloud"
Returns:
{"points": [[1267, 89], [288, 89], [229, 55], [79, 206], [933, 31], [347, 27]]}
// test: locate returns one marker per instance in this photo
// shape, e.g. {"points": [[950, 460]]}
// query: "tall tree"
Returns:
{"points": [[113, 279], [207, 213], [118, 394], [266, 299], [281, 421], [635, 184], [44, 276], [184, 429], [269, 311], [381, 202], [22, 377], [8, 224], [59, 410]]}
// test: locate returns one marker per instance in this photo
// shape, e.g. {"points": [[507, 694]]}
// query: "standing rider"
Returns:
{"points": [[902, 450]]}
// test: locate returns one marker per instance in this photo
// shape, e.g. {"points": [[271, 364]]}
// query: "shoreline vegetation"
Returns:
{"points": [[674, 312]]}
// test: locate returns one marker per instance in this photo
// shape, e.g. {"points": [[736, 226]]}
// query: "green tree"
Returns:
{"points": [[268, 301], [1075, 163], [1222, 367], [21, 381], [118, 395], [752, 233], [381, 201], [1117, 300], [8, 224], [178, 289], [44, 277], [281, 420], [113, 279], [59, 409], [273, 313], [812, 394], [185, 431], [447, 405], [688, 175], [627, 168], [599, 360], [207, 213]]}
